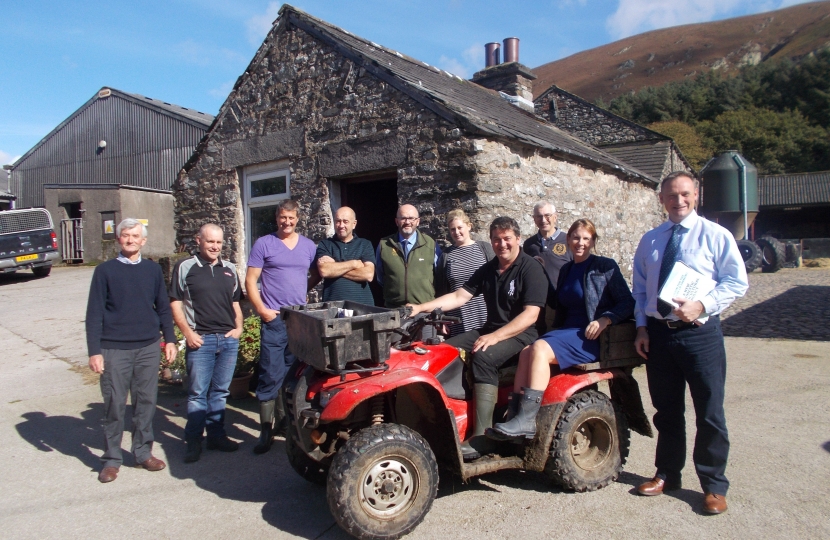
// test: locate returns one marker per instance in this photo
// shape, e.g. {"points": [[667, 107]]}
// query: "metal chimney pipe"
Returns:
{"points": [[511, 50], [491, 54]]}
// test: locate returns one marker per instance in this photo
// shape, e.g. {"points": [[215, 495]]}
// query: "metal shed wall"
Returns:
{"points": [[145, 148]]}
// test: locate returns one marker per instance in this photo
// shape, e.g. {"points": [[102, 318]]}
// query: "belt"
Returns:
{"points": [[674, 325]]}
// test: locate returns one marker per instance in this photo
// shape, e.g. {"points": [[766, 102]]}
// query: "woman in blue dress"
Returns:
{"points": [[591, 295]]}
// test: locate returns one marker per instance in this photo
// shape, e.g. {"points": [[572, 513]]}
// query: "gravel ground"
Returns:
{"points": [[793, 303], [777, 406]]}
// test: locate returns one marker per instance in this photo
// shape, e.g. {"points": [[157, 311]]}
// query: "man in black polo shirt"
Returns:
{"points": [[204, 297], [515, 289], [346, 262]]}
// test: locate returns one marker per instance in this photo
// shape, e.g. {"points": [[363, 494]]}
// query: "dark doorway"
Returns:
{"points": [[73, 210], [375, 203]]}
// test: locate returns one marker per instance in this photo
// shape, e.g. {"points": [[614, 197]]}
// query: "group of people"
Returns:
{"points": [[505, 298]]}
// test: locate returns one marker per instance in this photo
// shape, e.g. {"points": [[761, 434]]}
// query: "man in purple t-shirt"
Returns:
{"points": [[282, 261]]}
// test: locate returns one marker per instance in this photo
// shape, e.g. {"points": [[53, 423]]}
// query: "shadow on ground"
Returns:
{"points": [[290, 503], [799, 313], [21, 276]]}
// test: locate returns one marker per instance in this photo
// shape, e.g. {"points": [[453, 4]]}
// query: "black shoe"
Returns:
{"points": [[194, 451], [223, 444]]}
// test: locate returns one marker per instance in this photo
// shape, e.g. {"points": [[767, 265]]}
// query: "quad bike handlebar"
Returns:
{"points": [[412, 327]]}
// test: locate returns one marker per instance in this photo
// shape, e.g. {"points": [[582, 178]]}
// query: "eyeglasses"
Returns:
{"points": [[546, 216], [406, 219]]}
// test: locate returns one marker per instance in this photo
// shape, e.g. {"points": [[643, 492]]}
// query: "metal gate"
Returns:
{"points": [[72, 240]]}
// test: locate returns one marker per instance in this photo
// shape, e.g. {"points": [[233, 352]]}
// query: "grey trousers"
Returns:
{"points": [[135, 371]]}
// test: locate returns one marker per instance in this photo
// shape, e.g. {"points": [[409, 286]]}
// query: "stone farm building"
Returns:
{"points": [[328, 118]]}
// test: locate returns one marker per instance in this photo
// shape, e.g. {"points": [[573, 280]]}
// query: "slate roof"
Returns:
{"points": [[796, 189], [649, 156], [472, 107]]}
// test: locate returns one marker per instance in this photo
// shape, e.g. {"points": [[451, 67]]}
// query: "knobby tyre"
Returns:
{"points": [[310, 469], [382, 482], [751, 254], [590, 443], [773, 254]]}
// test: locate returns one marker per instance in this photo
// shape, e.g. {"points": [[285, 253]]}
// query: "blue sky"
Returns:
{"points": [[55, 55]]}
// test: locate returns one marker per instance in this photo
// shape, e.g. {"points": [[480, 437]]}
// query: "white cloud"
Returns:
{"points": [[472, 60], [205, 54], [259, 25], [5, 158], [636, 16], [222, 91]]}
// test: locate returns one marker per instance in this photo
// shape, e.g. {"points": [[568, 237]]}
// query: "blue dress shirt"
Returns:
{"points": [[704, 246]]}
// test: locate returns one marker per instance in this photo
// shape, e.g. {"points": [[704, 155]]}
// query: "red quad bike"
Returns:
{"points": [[374, 412]]}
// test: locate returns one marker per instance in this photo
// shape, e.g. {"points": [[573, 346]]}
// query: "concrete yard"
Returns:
{"points": [[778, 411]]}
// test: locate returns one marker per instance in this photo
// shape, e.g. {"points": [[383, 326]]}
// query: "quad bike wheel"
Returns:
{"points": [[590, 444], [751, 254], [773, 254], [313, 471], [382, 482]]}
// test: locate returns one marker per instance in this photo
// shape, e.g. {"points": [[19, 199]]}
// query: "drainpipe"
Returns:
{"points": [[742, 165]]}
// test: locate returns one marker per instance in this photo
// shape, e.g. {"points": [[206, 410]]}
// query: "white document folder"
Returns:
{"points": [[685, 282]]}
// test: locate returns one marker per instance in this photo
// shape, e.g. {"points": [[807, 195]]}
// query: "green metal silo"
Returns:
{"points": [[730, 192]]}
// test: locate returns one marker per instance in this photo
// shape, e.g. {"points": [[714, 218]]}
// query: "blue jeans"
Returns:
{"points": [[274, 359], [209, 373]]}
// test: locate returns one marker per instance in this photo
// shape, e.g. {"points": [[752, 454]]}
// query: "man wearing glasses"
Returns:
{"points": [[549, 245], [406, 261]]}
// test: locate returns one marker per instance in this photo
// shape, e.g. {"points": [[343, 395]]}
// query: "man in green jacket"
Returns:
{"points": [[406, 262]]}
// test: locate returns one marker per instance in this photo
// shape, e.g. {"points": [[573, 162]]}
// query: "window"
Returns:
{"points": [[265, 186]]}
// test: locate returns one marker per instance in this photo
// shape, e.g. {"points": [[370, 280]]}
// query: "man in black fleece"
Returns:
{"points": [[127, 307]]}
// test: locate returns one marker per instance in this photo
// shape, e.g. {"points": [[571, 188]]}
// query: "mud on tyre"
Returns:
{"points": [[313, 471], [382, 482], [590, 443]]}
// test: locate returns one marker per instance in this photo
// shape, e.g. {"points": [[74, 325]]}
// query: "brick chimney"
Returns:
{"points": [[513, 80]]}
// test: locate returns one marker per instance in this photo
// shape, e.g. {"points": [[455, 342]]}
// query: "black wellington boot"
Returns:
{"points": [[524, 423], [479, 445], [280, 420], [266, 420]]}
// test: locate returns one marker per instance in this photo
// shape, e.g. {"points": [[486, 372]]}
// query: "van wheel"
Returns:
{"points": [[42, 271], [590, 443], [382, 482]]}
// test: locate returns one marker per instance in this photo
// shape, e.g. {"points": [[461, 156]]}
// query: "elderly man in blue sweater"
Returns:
{"points": [[127, 309]]}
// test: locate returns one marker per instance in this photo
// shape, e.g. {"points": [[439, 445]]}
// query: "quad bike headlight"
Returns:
{"points": [[326, 395]]}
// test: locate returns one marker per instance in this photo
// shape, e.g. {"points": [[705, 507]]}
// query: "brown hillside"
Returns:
{"points": [[660, 56]]}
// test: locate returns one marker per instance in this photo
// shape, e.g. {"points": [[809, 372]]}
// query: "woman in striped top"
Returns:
{"points": [[455, 266]]}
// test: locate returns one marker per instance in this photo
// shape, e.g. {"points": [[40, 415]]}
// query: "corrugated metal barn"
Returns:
{"points": [[116, 139], [146, 142]]}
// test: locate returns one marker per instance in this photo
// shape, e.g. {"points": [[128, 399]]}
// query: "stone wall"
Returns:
{"points": [[308, 107], [302, 102], [511, 179], [588, 122]]}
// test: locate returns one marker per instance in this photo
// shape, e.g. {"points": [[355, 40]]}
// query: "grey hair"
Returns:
{"points": [[130, 223], [542, 204], [677, 174]]}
